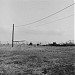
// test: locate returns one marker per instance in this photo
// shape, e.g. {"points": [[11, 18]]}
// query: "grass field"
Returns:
{"points": [[41, 60]]}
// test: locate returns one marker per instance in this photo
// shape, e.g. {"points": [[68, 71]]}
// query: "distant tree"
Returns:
{"points": [[54, 43], [31, 43], [38, 44]]}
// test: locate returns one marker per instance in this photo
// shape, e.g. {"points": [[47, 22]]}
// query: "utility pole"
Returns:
{"points": [[13, 36]]}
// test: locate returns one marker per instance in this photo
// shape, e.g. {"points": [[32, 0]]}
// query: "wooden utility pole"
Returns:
{"points": [[13, 36]]}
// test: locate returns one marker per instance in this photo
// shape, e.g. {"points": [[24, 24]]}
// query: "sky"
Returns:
{"points": [[22, 12], [74, 23]]}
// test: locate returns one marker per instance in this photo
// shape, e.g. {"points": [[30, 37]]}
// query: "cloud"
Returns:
{"points": [[45, 32], [4, 34]]}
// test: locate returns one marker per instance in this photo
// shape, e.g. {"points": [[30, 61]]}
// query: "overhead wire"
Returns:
{"points": [[54, 21], [47, 16]]}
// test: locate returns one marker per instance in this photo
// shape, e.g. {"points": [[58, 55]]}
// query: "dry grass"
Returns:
{"points": [[30, 60]]}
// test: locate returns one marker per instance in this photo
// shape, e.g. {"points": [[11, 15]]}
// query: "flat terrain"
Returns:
{"points": [[41, 60]]}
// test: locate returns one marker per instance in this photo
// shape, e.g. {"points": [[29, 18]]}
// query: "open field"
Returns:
{"points": [[30, 60]]}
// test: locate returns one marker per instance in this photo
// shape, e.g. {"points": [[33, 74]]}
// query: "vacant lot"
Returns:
{"points": [[30, 60]]}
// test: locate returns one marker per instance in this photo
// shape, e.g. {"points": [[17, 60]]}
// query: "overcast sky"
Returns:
{"points": [[21, 12]]}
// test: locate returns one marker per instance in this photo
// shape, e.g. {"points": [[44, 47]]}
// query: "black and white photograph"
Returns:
{"points": [[37, 37]]}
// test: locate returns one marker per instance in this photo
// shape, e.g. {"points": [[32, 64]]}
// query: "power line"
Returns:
{"points": [[47, 16], [55, 21]]}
